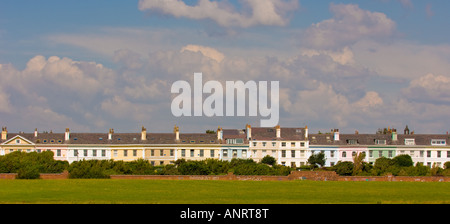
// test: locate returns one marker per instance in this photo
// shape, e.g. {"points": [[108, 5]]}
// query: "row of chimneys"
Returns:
{"points": [[176, 130]]}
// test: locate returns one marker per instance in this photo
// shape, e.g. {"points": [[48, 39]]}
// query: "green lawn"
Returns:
{"points": [[76, 191]]}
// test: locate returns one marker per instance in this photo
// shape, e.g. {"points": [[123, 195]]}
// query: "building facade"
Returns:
{"points": [[289, 146]]}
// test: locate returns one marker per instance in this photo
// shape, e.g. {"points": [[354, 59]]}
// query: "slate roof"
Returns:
{"points": [[294, 134], [117, 138]]}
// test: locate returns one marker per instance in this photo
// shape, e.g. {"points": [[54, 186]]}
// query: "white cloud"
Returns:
{"points": [[348, 25], [260, 12], [429, 88], [206, 51]]}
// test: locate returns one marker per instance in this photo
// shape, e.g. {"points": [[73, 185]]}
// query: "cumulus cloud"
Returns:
{"points": [[259, 12], [348, 25], [206, 51], [429, 88]]}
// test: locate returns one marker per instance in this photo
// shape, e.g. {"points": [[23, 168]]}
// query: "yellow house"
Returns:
{"points": [[17, 143]]}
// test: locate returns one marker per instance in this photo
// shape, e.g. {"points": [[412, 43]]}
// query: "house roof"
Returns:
{"points": [[259, 133], [117, 138]]}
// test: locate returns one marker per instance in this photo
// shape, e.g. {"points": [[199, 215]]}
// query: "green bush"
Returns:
{"points": [[31, 165], [344, 168]]}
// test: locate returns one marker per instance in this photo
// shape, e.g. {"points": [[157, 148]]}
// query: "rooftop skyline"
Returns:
{"points": [[351, 65]]}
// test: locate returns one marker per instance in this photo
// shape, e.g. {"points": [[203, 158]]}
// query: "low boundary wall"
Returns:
{"points": [[295, 175]]}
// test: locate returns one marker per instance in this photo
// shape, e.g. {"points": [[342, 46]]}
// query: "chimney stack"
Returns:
{"points": [[4, 133], [67, 135], [143, 134], [249, 131], [306, 132], [35, 132], [176, 130], [278, 131], [111, 131], [336, 134], [219, 133], [394, 134]]}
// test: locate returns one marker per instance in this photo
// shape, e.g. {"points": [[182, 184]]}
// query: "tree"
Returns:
{"points": [[269, 160], [317, 159], [403, 161], [358, 163], [344, 168]]}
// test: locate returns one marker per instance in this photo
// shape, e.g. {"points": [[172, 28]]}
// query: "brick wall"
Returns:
{"points": [[295, 175]]}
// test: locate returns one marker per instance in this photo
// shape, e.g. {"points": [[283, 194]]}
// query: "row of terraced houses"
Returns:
{"points": [[289, 146]]}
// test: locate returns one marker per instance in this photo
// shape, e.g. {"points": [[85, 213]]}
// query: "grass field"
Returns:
{"points": [[107, 191]]}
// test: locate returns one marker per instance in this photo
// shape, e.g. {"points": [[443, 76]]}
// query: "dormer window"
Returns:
{"points": [[380, 141], [352, 141], [438, 142], [410, 141]]}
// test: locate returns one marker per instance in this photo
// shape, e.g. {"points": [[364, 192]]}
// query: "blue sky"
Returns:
{"points": [[352, 65]]}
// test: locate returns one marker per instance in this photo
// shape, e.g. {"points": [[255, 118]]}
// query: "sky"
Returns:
{"points": [[348, 65]]}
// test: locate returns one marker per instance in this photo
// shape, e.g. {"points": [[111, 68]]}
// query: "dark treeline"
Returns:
{"points": [[31, 165], [401, 165], [105, 168]]}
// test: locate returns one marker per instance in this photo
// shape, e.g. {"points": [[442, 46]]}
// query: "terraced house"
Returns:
{"points": [[289, 146]]}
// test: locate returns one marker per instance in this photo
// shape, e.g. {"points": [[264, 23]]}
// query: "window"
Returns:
{"points": [[409, 141], [254, 143], [94, 152], [448, 154], [380, 153], [264, 144], [380, 141], [344, 154], [171, 152], [225, 153], [115, 153], [75, 152], [292, 164], [273, 144], [439, 154], [283, 153], [125, 153], [211, 153], [134, 152], [428, 154], [332, 153], [283, 144], [244, 153], [161, 152], [302, 144], [354, 153], [58, 152], [234, 153], [192, 153], [201, 153], [370, 153], [292, 144], [352, 141], [302, 153], [152, 152], [292, 153], [183, 152], [103, 153], [390, 153], [18, 141], [85, 152]]}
